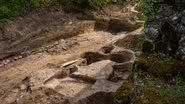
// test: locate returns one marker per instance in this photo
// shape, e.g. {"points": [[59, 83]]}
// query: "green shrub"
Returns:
{"points": [[77, 3], [100, 2], [141, 17], [83, 4], [9, 8], [35, 3], [4, 11], [149, 7]]}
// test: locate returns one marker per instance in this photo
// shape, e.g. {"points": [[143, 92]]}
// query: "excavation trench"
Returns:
{"points": [[49, 72]]}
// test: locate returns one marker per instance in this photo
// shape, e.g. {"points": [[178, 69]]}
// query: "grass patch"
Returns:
{"points": [[153, 90]]}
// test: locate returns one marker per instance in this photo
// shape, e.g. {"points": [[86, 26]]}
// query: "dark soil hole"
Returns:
{"points": [[92, 57], [121, 57], [107, 49], [128, 42]]}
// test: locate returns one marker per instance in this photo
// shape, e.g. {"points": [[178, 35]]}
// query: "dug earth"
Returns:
{"points": [[66, 60]]}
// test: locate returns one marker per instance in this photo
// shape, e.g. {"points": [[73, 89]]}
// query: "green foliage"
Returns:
{"points": [[154, 90], [35, 3], [177, 91], [100, 2], [125, 92], [149, 7], [77, 3], [162, 67], [158, 79], [9, 8], [141, 17], [4, 11], [141, 38], [179, 78], [83, 4]]}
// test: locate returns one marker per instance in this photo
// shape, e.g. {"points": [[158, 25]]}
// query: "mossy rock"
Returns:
{"points": [[152, 96], [125, 93], [149, 96], [159, 66]]}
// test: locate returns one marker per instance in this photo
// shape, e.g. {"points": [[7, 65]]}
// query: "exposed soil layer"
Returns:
{"points": [[129, 42], [63, 60], [77, 83]]}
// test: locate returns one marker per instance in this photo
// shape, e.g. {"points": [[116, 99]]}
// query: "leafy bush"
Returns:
{"points": [[78, 3], [149, 7], [10, 8], [100, 2], [82, 4]]}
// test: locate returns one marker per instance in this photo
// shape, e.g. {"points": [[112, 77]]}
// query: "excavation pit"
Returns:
{"points": [[92, 57], [121, 57], [107, 49]]}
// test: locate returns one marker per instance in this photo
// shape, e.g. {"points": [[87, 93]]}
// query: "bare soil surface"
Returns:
{"points": [[14, 72], [74, 70], [43, 65]]}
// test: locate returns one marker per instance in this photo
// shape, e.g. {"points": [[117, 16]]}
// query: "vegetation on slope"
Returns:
{"points": [[148, 8], [10, 8], [156, 79]]}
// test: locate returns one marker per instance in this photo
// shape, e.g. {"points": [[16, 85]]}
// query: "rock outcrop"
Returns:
{"points": [[167, 31]]}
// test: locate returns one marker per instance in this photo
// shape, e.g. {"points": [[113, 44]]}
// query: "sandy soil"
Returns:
{"points": [[13, 73], [41, 62]]}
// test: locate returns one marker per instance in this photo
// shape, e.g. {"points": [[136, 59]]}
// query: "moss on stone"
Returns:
{"points": [[149, 87], [125, 92], [152, 96], [159, 66]]}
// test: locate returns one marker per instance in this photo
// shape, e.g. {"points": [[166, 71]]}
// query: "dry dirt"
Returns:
{"points": [[23, 80], [42, 65], [13, 73]]}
